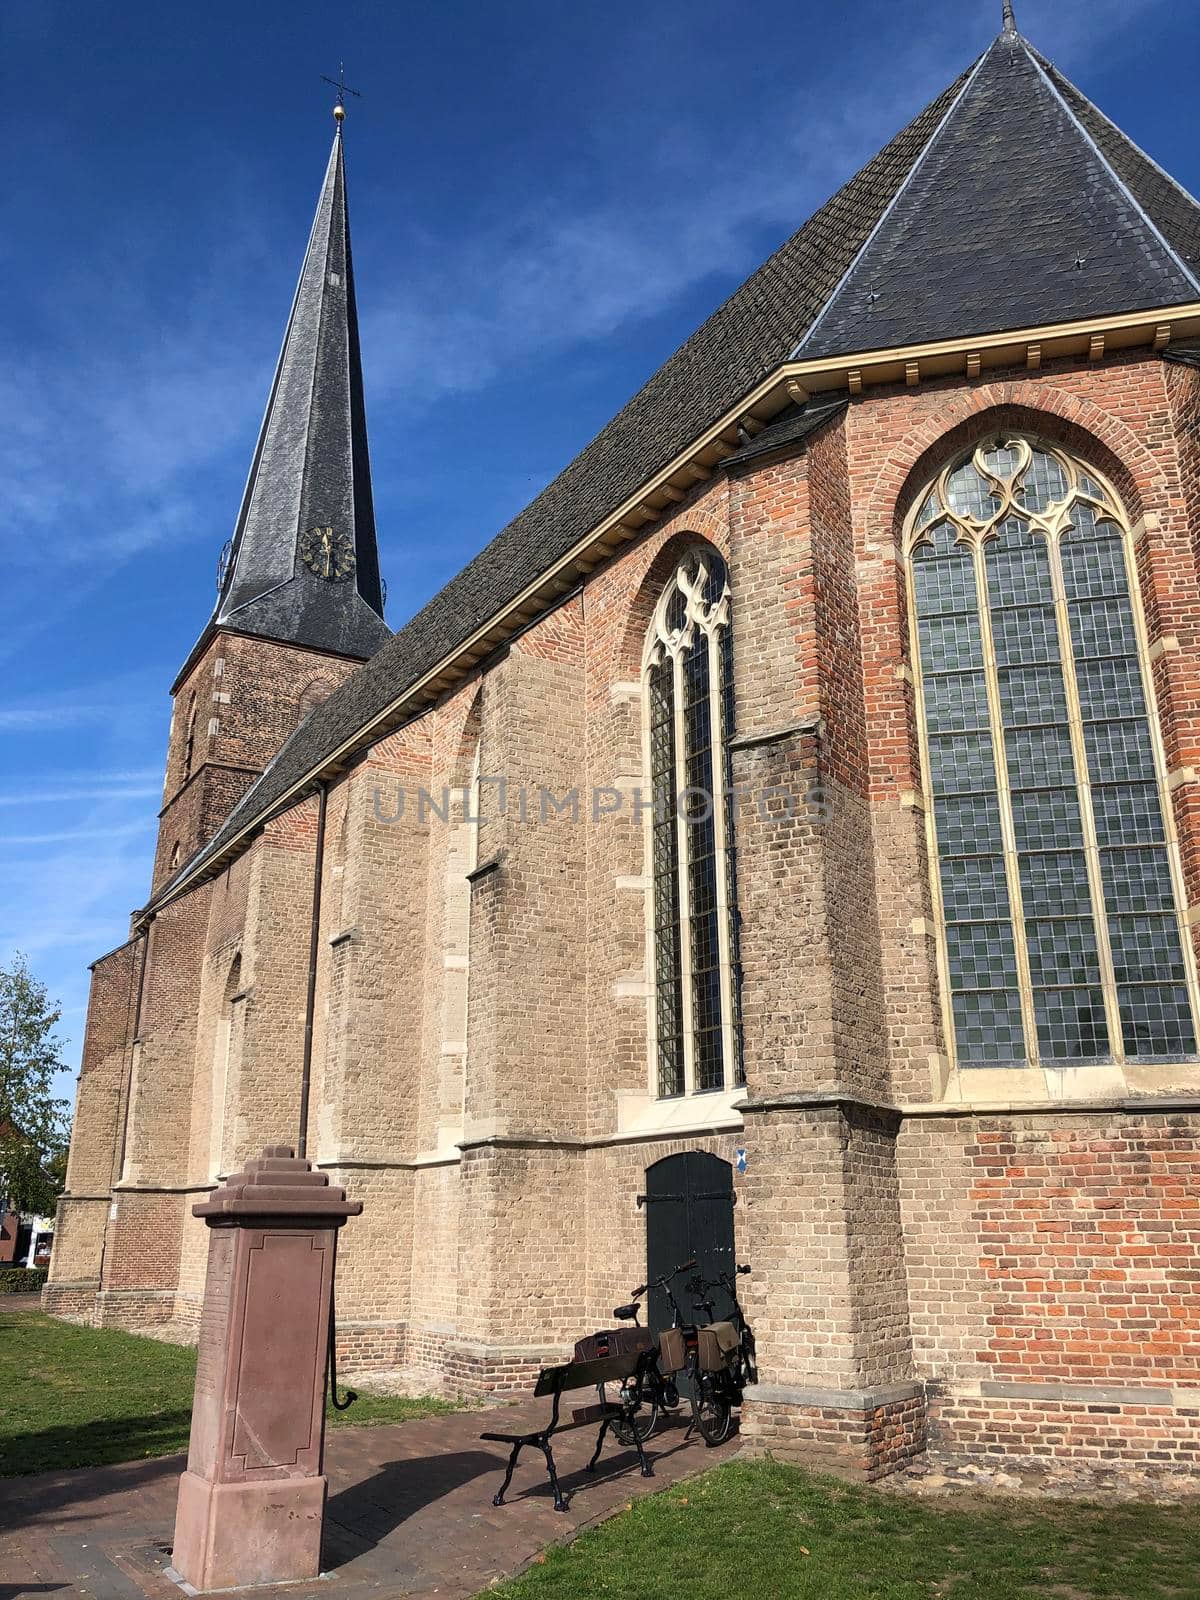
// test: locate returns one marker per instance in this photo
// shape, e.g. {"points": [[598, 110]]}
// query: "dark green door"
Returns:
{"points": [[689, 1213]]}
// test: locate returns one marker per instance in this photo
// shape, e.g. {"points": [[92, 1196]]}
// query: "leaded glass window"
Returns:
{"points": [[1054, 868], [696, 1003]]}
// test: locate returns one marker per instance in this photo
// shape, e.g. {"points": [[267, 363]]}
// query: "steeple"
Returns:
{"points": [[302, 565]]}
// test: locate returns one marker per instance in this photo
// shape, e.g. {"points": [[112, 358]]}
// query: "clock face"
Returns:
{"points": [[328, 553]]}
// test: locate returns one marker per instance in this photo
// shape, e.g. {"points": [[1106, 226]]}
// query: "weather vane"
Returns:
{"points": [[343, 89]]}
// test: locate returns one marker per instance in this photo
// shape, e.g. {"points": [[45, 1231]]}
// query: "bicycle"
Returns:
{"points": [[725, 1358], [653, 1389]]}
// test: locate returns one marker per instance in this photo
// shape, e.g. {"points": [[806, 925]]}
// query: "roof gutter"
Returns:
{"points": [[793, 382]]}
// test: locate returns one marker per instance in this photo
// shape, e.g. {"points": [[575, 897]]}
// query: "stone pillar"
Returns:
{"points": [[252, 1501]]}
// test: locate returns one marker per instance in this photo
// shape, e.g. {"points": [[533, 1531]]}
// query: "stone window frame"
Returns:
{"points": [[930, 507], [232, 995], [683, 613]]}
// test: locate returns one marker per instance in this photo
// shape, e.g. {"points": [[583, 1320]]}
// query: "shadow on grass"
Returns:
{"points": [[106, 1442]]}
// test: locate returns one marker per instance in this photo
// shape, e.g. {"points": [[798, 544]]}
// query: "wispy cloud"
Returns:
{"points": [[100, 791], [49, 718], [72, 835]]}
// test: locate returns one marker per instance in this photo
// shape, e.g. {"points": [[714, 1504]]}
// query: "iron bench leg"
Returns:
{"points": [[560, 1503], [498, 1497], [591, 1466]]}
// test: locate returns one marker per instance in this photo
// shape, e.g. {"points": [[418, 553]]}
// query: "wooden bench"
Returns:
{"points": [[557, 1381]]}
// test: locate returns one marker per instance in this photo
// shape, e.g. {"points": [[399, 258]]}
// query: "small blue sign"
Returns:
{"points": [[739, 1160]]}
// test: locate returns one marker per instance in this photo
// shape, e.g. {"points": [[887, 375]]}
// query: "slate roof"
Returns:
{"points": [[311, 466], [1014, 217], [986, 150], [790, 428]]}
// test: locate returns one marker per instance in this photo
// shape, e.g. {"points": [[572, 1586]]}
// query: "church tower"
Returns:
{"points": [[299, 596]]}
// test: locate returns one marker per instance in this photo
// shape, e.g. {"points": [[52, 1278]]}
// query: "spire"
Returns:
{"points": [[303, 566], [1010, 21]]}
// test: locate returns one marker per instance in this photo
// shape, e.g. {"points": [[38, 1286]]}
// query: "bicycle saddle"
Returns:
{"points": [[624, 1313]]}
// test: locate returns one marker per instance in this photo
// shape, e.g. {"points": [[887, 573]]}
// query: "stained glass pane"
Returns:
{"points": [[969, 825], [1157, 1021], [1018, 568], [1137, 880], [1146, 949], [1002, 460], [1047, 819], [1039, 757], [981, 955], [1030, 695], [969, 495], [1054, 883], [987, 1027], [956, 702], [1062, 952], [961, 762], [974, 886], [1044, 483], [1093, 567], [1102, 628], [1026, 634], [1110, 687], [1120, 750], [1071, 1024], [1127, 813], [950, 643]]}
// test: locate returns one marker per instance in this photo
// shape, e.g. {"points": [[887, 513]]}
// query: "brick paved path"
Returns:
{"points": [[410, 1512]]}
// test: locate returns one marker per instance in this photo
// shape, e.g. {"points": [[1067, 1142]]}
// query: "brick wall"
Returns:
{"points": [[240, 701], [100, 1099], [1017, 1283]]}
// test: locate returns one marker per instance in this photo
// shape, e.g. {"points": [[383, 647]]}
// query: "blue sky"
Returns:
{"points": [[545, 201]]}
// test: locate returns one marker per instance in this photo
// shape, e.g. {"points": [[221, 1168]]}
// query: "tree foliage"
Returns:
{"points": [[33, 1121]]}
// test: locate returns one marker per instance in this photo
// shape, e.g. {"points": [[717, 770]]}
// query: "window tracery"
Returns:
{"points": [[688, 677], [1054, 867]]}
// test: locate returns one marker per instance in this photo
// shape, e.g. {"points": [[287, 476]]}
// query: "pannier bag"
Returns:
{"points": [[613, 1342], [718, 1345], [672, 1352]]}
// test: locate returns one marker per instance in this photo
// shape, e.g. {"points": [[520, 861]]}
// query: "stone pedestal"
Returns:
{"points": [[252, 1501]]}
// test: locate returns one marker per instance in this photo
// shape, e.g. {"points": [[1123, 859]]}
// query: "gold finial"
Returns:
{"points": [[343, 89]]}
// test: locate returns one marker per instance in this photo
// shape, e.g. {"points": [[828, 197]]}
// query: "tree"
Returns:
{"points": [[33, 1122]]}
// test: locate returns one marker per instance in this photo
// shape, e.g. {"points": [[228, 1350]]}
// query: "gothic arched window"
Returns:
{"points": [[189, 741], [1054, 865], [688, 675]]}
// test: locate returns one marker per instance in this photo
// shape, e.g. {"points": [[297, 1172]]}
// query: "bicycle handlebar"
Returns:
{"points": [[661, 1283]]}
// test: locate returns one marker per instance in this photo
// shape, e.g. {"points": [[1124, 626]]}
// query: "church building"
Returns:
{"points": [[781, 843]]}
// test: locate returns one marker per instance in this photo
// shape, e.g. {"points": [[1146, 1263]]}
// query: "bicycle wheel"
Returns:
{"points": [[712, 1414], [645, 1419]]}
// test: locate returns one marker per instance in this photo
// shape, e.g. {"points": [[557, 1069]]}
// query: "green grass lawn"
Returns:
{"points": [[83, 1397], [764, 1531]]}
